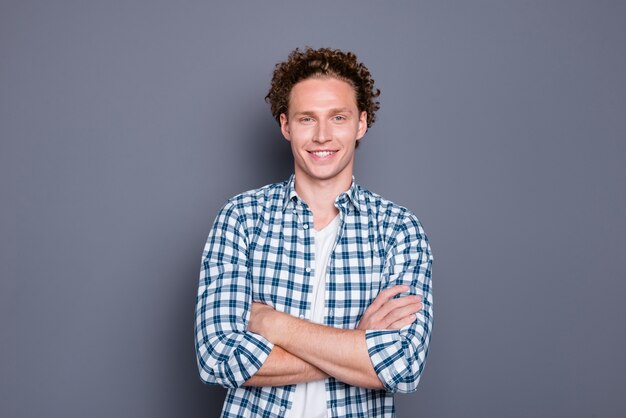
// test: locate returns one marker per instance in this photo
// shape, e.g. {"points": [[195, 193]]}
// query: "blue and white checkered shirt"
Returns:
{"points": [[261, 248]]}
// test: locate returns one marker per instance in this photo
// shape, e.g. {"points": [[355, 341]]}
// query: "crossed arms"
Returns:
{"points": [[320, 351], [241, 342]]}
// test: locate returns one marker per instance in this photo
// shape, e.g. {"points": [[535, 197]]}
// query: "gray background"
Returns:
{"points": [[125, 125]]}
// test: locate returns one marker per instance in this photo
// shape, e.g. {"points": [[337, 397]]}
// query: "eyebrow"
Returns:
{"points": [[335, 110]]}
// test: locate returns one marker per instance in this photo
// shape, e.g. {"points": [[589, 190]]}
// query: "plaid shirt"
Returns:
{"points": [[261, 249]]}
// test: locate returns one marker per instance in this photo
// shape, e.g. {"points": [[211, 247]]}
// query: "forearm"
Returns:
{"points": [[283, 368], [340, 353]]}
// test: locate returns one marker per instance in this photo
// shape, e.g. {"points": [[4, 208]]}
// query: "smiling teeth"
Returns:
{"points": [[323, 153]]}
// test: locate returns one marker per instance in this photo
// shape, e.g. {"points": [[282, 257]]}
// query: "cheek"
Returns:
{"points": [[300, 134], [346, 133]]}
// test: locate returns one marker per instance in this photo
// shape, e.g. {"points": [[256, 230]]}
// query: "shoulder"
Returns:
{"points": [[384, 209], [391, 218], [268, 197]]}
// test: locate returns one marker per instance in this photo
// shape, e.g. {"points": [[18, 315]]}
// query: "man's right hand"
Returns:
{"points": [[389, 313]]}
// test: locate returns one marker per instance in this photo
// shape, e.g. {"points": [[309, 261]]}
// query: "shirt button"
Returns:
{"points": [[282, 409], [301, 316], [305, 226], [308, 269]]}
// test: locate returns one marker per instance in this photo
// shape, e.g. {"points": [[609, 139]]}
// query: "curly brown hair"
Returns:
{"points": [[323, 62]]}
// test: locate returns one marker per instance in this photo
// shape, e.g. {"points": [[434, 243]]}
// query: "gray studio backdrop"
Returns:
{"points": [[125, 125]]}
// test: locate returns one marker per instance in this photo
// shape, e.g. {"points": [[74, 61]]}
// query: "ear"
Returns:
{"points": [[284, 127], [362, 127]]}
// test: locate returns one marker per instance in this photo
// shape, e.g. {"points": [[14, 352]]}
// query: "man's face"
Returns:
{"points": [[323, 124]]}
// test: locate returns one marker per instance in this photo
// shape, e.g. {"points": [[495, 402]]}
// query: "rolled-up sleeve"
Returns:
{"points": [[398, 356], [227, 354]]}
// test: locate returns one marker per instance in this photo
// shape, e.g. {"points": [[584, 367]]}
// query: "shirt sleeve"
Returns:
{"points": [[227, 354], [398, 356]]}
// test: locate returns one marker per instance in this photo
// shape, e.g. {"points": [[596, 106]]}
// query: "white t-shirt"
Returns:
{"points": [[309, 401]]}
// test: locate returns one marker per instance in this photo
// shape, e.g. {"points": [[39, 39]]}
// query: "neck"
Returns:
{"points": [[320, 196]]}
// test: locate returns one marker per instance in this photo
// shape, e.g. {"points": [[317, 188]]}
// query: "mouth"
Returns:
{"points": [[322, 153]]}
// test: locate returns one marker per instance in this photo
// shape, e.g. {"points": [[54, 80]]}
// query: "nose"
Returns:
{"points": [[323, 132]]}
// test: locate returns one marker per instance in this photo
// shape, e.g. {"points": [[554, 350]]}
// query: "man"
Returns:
{"points": [[314, 297]]}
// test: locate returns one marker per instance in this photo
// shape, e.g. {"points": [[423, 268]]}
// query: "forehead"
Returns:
{"points": [[319, 92]]}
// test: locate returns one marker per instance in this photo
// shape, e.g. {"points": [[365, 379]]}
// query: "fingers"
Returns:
{"points": [[407, 320], [394, 313], [258, 321], [255, 307], [404, 305], [402, 312], [385, 295]]}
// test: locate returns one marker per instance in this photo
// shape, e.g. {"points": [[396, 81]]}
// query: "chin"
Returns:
{"points": [[326, 175]]}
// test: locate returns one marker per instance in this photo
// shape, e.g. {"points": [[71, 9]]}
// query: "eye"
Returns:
{"points": [[339, 118], [306, 119]]}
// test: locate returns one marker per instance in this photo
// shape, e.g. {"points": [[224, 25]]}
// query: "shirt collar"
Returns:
{"points": [[290, 193], [351, 197]]}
